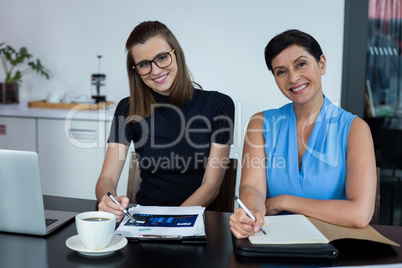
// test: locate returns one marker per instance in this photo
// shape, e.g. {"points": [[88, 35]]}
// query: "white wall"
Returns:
{"points": [[223, 41]]}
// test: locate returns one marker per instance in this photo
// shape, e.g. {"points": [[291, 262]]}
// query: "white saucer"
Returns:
{"points": [[117, 242]]}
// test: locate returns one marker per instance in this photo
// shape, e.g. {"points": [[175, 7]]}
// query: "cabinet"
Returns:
{"points": [[18, 133], [71, 148], [76, 150], [71, 154]]}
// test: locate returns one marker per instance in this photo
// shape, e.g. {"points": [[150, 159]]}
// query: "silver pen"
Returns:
{"points": [[247, 211], [124, 210]]}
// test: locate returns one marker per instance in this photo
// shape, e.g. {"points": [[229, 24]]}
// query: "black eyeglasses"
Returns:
{"points": [[162, 61]]}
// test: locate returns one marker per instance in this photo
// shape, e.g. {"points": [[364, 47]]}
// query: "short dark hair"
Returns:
{"points": [[288, 38]]}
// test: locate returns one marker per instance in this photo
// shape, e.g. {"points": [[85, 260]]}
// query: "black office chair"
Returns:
{"points": [[134, 179], [376, 215], [224, 202]]}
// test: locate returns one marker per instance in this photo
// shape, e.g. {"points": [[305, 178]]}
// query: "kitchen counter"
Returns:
{"points": [[22, 110], [71, 145]]}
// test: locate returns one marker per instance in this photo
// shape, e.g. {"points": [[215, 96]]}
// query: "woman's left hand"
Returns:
{"points": [[273, 205]]}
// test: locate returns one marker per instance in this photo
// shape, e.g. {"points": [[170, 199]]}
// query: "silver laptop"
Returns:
{"points": [[21, 200]]}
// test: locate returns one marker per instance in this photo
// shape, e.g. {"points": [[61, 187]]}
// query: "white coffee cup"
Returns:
{"points": [[95, 228], [53, 97], [67, 97]]}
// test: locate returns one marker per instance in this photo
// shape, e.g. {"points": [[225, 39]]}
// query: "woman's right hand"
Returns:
{"points": [[242, 226], [108, 205]]}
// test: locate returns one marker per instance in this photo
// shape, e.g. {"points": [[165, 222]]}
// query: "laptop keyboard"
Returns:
{"points": [[50, 221]]}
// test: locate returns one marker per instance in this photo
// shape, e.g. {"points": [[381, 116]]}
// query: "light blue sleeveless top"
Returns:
{"points": [[323, 171]]}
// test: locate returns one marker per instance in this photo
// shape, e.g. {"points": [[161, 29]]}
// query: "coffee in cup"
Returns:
{"points": [[95, 228], [96, 219]]}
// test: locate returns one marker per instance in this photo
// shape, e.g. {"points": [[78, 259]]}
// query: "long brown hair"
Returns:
{"points": [[141, 98]]}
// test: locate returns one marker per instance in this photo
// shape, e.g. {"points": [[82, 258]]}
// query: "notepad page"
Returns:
{"points": [[288, 229]]}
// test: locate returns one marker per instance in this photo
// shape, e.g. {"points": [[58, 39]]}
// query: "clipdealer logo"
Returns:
{"points": [[330, 149]]}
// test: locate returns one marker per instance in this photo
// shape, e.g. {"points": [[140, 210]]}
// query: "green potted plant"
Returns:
{"points": [[11, 59]]}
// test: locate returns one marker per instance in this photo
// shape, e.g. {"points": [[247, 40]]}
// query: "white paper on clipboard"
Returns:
{"points": [[164, 222]]}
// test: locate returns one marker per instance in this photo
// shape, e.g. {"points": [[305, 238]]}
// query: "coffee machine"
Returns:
{"points": [[98, 80]]}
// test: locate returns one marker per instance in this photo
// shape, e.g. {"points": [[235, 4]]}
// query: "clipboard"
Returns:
{"points": [[199, 239], [244, 248], [165, 224]]}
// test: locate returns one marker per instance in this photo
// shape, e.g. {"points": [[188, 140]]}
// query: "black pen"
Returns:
{"points": [[124, 210], [247, 211]]}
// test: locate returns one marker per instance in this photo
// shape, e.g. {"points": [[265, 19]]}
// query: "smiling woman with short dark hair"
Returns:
{"points": [[309, 157]]}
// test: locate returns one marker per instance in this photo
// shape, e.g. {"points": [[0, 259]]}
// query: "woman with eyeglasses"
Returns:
{"points": [[308, 157], [181, 133]]}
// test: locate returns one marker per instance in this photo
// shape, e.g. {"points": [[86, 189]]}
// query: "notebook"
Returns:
{"points": [[243, 247], [300, 236], [21, 200]]}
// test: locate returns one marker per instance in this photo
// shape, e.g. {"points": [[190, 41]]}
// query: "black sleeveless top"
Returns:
{"points": [[173, 144]]}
